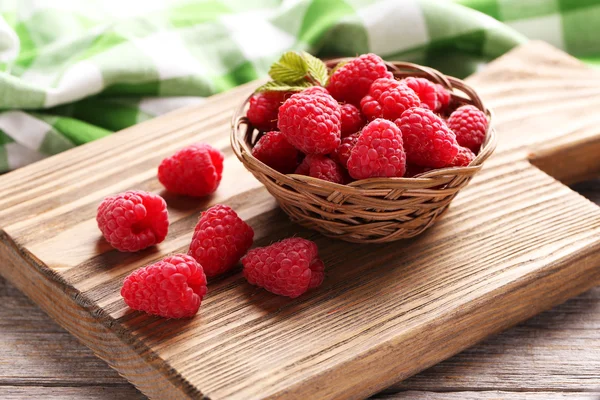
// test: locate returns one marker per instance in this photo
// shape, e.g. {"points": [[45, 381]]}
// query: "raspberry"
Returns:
{"points": [[321, 167], [220, 239], [311, 122], [425, 90], [195, 170], [351, 82], [352, 119], [262, 112], [133, 220], [342, 153], [388, 99], [443, 96], [276, 152], [463, 158], [378, 152], [287, 268], [469, 124], [315, 90], [427, 140], [172, 288], [413, 170]]}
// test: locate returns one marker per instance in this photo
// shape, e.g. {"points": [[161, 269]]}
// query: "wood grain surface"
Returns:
{"points": [[514, 243]]}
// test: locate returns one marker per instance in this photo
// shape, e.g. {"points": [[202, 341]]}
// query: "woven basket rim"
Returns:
{"points": [[367, 186]]}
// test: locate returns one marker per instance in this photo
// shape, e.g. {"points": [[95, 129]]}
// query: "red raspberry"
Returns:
{"points": [[321, 167], [315, 90], [463, 158], [342, 153], [263, 109], [443, 96], [133, 220], [220, 239], [352, 119], [276, 152], [378, 152], [172, 288], [469, 124], [311, 123], [195, 170], [388, 99], [413, 170], [351, 82], [426, 90], [287, 268], [427, 140]]}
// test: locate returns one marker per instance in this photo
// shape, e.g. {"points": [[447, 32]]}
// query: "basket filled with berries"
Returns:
{"points": [[361, 149]]}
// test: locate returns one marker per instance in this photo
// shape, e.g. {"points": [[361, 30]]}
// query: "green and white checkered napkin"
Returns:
{"points": [[74, 71]]}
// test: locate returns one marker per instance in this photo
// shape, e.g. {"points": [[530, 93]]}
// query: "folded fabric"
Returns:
{"points": [[73, 71]]}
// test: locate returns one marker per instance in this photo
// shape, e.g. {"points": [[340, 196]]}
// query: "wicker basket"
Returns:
{"points": [[371, 210]]}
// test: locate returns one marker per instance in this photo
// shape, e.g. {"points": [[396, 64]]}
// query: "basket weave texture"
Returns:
{"points": [[374, 210]]}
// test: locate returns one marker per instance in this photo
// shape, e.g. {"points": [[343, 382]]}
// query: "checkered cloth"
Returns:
{"points": [[73, 71]]}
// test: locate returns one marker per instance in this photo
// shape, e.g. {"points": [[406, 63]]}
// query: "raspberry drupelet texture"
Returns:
{"points": [[133, 220], [351, 82], [311, 122], [195, 170], [220, 239], [171, 288], [322, 167], [263, 109], [315, 90], [275, 151], [428, 142], [379, 152], [443, 96], [287, 268], [352, 119], [469, 124], [342, 153], [463, 158], [388, 98], [425, 90]]}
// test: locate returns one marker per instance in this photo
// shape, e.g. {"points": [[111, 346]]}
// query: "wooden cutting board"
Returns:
{"points": [[515, 242]]}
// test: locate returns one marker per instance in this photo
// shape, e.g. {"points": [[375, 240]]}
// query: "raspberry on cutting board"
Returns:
{"points": [[469, 124], [133, 220], [220, 239], [275, 151], [428, 142], [388, 98], [351, 82], [379, 152], [287, 268], [262, 112], [195, 170], [311, 122], [172, 287]]}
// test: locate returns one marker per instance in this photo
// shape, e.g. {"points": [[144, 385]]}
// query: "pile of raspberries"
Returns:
{"points": [[364, 123], [174, 286]]}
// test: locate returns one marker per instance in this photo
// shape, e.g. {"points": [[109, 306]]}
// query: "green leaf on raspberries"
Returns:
{"points": [[275, 86], [290, 68], [338, 66], [316, 68]]}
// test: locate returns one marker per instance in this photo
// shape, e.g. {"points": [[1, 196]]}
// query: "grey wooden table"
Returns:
{"points": [[555, 355]]}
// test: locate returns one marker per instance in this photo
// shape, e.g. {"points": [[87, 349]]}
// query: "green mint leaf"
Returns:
{"points": [[276, 86], [290, 68], [316, 68]]}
